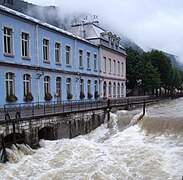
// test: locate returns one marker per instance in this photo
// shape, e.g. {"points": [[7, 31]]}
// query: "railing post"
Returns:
{"points": [[44, 108], [144, 107], [54, 107], [3, 156], [108, 110]]}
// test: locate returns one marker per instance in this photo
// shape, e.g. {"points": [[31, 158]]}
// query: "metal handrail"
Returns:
{"points": [[20, 110]]}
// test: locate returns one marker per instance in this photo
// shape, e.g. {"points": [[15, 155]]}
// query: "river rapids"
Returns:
{"points": [[128, 147]]}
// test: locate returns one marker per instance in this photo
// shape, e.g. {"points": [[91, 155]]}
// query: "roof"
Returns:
{"points": [[29, 18], [90, 28]]}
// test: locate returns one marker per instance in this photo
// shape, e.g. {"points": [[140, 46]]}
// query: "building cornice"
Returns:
{"points": [[39, 68]]}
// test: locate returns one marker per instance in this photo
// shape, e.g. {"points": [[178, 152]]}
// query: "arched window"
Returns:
{"points": [[104, 89], [122, 89], [89, 86], [82, 85], [10, 84], [26, 84], [109, 89], [68, 85], [118, 89], [114, 89], [58, 86], [96, 86], [47, 85]]}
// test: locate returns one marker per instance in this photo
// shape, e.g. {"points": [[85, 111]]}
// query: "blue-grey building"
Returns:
{"points": [[40, 62]]}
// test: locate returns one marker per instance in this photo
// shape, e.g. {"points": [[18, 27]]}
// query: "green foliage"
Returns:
{"points": [[28, 97], [163, 64], [48, 97], [69, 95], [96, 95], [154, 69], [89, 96], [82, 95], [11, 98]]}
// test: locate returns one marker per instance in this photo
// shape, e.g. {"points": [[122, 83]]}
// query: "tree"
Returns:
{"points": [[163, 64], [133, 58]]}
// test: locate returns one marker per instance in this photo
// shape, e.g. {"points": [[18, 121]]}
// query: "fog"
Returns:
{"points": [[154, 24]]}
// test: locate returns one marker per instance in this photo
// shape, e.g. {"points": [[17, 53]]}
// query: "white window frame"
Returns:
{"points": [[47, 85], [10, 83], [57, 53], [104, 64], [88, 60], [25, 44], [114, 67], [95, 62], [68, 55], [58, 86], [45, 46], [110, 65], [26, 84], [68, 86], [80, 57], [8, 41], [118, 68]]}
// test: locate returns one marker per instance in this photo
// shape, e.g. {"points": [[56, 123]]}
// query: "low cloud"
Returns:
{"points": [[150, 23]]}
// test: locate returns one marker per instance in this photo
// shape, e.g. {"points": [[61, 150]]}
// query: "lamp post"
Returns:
{"points": [[139, 82]]}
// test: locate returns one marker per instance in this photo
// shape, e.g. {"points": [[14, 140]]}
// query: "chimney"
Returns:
{"points": [[8, 3]]}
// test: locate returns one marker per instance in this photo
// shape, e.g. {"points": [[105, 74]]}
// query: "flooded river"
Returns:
{"points": [[125, 148]]}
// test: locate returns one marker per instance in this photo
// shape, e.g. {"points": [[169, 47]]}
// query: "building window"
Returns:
{"points": [[122, 68], [58, 86], [114, 67], [95, 62], [104, 89], [25, 45], [26, 84], [110, 66], [96, 86], [8, 41], [118, 68], [114, 89], [89, 87], [104, 65], [68, 55], [47, 84], [82, 85], [68, 85], [57, 53], [122, 89], [10, 85], [88, 60], [45, 50], [81, 58], [109, 89], [118, 89]]}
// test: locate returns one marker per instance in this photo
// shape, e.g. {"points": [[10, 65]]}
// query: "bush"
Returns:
{"points": [[11, 98], [48, 97], [28, 97], [82, 95], [69, 96], [96, 95], [90, 95]]}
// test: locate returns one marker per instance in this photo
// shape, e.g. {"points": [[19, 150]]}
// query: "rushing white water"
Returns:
{"points": [[125, 148]]}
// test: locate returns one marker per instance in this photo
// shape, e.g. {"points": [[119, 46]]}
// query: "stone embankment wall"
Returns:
{"points": [[31, 130]]}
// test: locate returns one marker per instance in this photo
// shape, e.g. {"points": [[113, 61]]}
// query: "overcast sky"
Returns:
{"points": [[150, 23]]}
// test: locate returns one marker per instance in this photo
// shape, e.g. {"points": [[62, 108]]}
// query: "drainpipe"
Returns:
{"points": [[75, 68], [37, 63]]}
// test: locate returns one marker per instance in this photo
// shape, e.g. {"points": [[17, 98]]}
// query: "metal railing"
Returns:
{"points": [[25, 110]]}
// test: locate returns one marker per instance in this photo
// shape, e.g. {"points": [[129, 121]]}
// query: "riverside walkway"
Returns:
{"points": [[27, 110]]}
